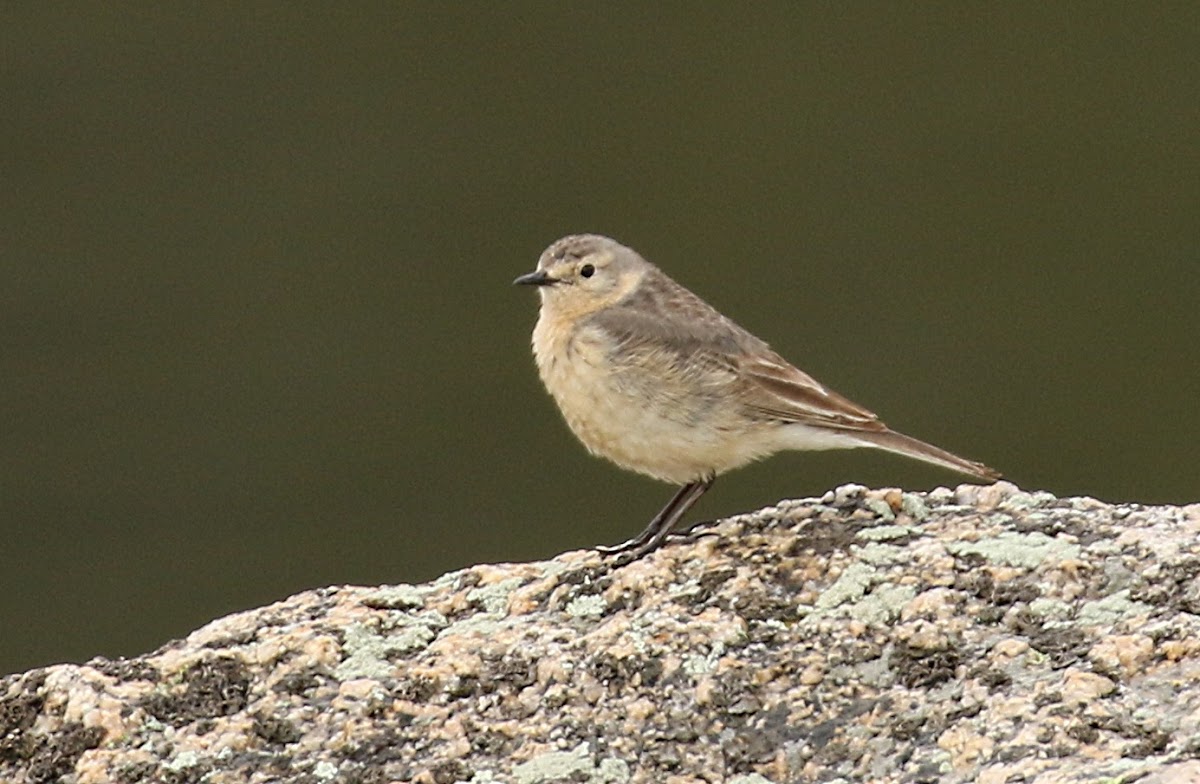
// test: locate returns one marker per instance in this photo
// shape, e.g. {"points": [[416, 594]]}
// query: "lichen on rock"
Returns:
{"points": [[978, 634]]}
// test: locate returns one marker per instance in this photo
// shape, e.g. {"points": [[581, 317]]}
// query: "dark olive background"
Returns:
{"points": [[258, 328]]}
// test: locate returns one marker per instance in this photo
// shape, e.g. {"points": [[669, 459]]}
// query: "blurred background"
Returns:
{"points": [[258, 333]]}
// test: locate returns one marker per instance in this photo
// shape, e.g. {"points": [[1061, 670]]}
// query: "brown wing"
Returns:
{"points": [[773, 388], [667, 316]]}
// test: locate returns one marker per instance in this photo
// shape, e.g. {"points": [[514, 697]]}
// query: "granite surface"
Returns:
{"points": [[983, 634]]}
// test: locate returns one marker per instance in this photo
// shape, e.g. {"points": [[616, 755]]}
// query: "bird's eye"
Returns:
{"points": [[587, 270]]}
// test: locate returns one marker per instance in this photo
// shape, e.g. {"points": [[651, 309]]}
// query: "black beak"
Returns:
{"points": [[535, 278]]}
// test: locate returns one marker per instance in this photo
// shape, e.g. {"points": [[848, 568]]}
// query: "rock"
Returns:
{"points": [[981, 634]]}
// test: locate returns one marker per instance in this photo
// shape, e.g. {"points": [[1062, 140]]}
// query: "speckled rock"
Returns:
{"points": [[982, 634]]}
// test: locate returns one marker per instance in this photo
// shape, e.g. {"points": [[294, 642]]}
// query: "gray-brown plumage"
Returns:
{"points": [[653, 378]]}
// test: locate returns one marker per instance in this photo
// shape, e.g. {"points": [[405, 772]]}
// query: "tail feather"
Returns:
{"points": [[908, 446]]}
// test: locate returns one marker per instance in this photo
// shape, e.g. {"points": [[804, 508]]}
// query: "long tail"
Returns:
{"points": [[908, 446]]}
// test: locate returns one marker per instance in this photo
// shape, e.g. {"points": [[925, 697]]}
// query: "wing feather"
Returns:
{"points": [[771, 387], [662, 314]]}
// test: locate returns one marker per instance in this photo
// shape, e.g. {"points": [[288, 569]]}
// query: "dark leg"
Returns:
{"points": [[663, 522], [666, 513]]}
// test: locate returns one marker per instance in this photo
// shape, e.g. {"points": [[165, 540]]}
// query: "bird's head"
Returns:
{"points": [[584, 273]]}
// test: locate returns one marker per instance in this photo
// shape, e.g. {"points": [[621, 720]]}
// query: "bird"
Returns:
{"points": [[656, 380]]}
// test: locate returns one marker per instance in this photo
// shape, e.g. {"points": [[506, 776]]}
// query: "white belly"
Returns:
{"points": [[650, 422]]}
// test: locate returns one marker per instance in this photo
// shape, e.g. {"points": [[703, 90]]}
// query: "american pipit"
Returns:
{"points": [[653, 378]]}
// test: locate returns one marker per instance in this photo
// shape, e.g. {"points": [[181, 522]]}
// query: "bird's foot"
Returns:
{"points": [[617, 549]]}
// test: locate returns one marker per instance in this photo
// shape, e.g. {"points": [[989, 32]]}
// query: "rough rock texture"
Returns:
{"points": [[984, 634]]}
